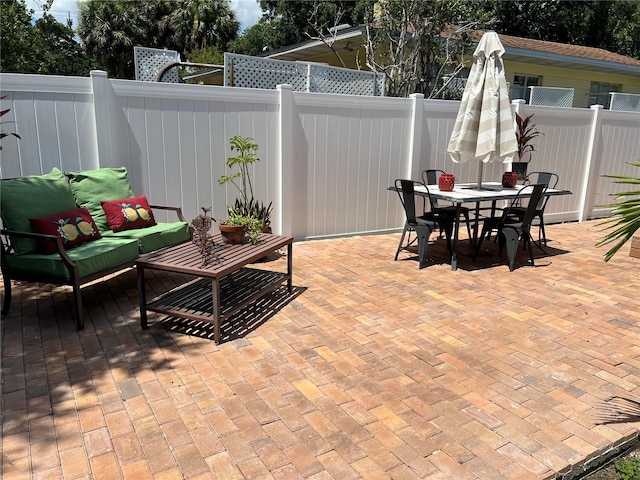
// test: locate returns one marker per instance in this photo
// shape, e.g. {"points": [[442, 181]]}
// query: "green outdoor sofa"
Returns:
{"points": [[71, 228]]}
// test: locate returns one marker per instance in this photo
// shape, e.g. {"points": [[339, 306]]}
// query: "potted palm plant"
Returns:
{"points": [[625, 220], [247, 215], [526, 132]]}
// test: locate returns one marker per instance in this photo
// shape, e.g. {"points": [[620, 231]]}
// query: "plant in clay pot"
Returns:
{"points": [[254, 209], [250, 227], [526, 132], [247, 211]]}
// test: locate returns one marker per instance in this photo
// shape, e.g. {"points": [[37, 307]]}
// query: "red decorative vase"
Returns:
{"points": [[446, 182], [509, 179]]}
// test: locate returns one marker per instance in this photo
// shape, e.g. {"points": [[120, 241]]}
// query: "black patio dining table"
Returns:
{"points": [[470, 193]]}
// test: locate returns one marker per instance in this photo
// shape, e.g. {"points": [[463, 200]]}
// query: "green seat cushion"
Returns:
{"points": [[90, 187], [92, 257], [32, 197], [155, 237]]}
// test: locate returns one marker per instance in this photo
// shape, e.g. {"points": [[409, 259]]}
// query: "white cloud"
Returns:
{"points": [[60, 9], [248, 12]]}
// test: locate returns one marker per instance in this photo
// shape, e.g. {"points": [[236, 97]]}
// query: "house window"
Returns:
{"points": [[599, 93], [521, 84]]}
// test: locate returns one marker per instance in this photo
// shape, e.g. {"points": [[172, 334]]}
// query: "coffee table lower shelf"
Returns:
{"points": [[195, 299]]}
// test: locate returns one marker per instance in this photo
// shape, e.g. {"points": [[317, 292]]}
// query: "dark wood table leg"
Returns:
{"points": [[217, 310], [290, 266], [143, 298]]}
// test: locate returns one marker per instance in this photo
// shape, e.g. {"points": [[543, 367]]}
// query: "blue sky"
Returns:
{"points": [[247, 11]]}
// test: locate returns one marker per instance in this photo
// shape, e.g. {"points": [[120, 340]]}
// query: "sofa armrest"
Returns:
{"points": [[60, 250], [178, 210]]}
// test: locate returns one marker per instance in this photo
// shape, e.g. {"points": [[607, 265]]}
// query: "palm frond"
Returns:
{"points": [[618, 409], [625, 219]]}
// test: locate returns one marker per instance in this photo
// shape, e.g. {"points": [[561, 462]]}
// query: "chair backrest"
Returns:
{"points": [[407, 193], [537, 194], [430, 177], [549, 179]]}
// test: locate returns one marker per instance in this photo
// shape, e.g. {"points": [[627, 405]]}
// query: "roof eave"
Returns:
{"points": [[340, 36], [574, 62]]}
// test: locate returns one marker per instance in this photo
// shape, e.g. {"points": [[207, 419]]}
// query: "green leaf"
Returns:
{"points": [[625, 219]]}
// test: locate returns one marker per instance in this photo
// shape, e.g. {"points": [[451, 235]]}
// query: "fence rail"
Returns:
{"points": [[326, 159]]}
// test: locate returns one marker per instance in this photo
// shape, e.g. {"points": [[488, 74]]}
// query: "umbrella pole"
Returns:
{"points": [[480, 175]]}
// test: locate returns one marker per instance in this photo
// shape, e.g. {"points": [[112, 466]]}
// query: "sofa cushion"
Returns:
{"points": [[90, 187], [128, 213], [158, 236], [73, 226], [92, 257], [31, 197]]}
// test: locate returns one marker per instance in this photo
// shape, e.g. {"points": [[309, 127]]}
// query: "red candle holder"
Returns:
{"points": [[509, 179], [446, 182]]}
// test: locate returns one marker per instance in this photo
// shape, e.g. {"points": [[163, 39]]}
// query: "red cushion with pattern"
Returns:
{"points": [[128, 213], [73, 226]]}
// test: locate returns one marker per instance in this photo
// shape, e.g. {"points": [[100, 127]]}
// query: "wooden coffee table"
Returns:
{"points": [[222, 286]]}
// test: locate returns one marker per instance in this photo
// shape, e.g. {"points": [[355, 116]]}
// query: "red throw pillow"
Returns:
{"points": [[73, 226], [128, 213]]}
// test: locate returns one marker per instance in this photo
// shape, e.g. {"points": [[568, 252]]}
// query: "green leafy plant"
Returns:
{"points": [[246, 205], [2, 132], [628, 468], [247, 155], [525, 133], [254, 209], [252, 226], [625, 219]]}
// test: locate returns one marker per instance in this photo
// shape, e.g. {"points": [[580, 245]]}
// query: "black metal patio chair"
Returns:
{"points": [[550, 180], [510, 229], [423, 225]]}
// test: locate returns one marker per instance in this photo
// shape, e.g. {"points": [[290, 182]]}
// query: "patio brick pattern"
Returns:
{"points": [[371, 369]]}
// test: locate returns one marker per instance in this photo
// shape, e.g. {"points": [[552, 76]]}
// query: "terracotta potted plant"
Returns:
{"points": [[526, 132], [237, 227], [254, 209], [247, 215]]}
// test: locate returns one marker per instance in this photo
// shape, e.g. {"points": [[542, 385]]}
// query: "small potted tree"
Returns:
{"points": [[526, 132], [247, 215]]}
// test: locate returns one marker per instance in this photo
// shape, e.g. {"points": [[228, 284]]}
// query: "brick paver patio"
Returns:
{"points": [[370, 369]]}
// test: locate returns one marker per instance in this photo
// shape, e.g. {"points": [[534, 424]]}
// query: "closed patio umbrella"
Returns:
{"points": [[484, 125]]}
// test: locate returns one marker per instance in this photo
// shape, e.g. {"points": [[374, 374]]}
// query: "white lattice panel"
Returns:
{"points": [[149, 62], [455, 87], [627, 102], [327, 79], [551, 97], [256, 72]]}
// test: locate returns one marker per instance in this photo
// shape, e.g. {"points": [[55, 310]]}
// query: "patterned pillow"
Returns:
{"points": [[73, 226], [31, 197], [128, 213]]}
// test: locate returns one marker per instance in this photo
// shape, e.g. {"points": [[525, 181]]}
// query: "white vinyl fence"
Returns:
{"points": [[326, 159]]}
